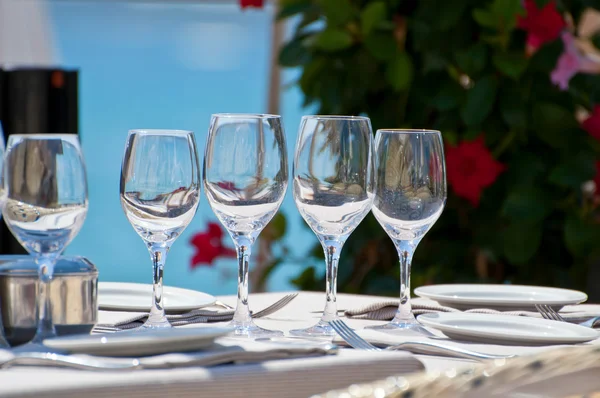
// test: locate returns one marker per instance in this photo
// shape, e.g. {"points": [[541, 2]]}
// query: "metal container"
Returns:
{"points": [[73, 290]]}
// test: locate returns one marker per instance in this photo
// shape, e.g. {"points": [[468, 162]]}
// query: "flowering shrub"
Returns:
{"points": [[513, 87]]}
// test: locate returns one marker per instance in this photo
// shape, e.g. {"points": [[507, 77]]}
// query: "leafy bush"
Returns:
{"points": [[512, 86]]}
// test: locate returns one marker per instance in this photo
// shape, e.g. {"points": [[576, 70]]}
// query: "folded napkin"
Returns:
{"points": [[226, 351], [132, 320], [386, 310]]}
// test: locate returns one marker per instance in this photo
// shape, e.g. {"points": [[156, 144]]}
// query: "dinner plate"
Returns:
{"points": [[139, 343], [502, 297], [137, 297], [507, 329]]}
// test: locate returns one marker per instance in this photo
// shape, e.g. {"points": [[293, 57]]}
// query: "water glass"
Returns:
{"points": [[245, 178], [409, 198], [333, 190], [45, 188], [160, 191]]}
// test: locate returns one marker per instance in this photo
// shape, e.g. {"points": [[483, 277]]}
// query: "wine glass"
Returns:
{"points": [[410, 197], [3, 342], [245, 179], [45, 186], [160, 191], [333, 190]]}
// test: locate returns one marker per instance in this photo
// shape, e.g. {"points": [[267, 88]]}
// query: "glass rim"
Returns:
{"points": [[160, 132], [336, 117], [39, 136], [246, 115], [409, 131]]}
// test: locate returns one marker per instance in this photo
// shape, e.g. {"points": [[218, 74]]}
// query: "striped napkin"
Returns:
{"points": [[386, 310], [132, 320]]}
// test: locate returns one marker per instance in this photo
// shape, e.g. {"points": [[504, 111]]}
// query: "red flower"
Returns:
{"points": [[251, 3], [470, 167], [592, 123], [542, 25], [209, 246]]}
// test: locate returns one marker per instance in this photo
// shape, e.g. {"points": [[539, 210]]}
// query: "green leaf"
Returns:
{"points": [[337, 12], [528, 204], [294, 53], [574, 171], [521, 241], [292, 7], [553, 124], [373, 14], [480, 101], [307, 280], [333, 40], [511, 64], [581, 237], [541, 3], [277, 227], [507, 12], [484, 18], [449, 96], [472, 61], [399, 72], [382, 45], [448, 13], [513, 110]]}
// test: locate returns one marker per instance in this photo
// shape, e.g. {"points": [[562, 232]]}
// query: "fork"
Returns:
{"points": [[276, 306], [416, 347], [548, 312]]}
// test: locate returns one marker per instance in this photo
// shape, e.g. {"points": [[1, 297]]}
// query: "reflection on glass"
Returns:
{"points": [[245, 179], [333, 190], [410, 197], [46, 204], [160, 191]]}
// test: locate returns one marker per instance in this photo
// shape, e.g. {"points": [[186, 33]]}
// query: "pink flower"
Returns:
{"points": [[569, 63]]}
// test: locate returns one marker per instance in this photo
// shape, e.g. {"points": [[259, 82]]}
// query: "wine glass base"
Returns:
{"points": [[251, 331], [320, 330], [155, 325], [406, 328]]}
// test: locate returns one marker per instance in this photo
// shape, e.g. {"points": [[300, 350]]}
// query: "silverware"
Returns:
{"points": [[276, 306], [548, 312], [73, 291], [417, 347], [38, 358]]}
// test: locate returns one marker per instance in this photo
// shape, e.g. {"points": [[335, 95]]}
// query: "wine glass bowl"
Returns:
{"points": [[45, 185], [245, 179], [409, 198], [160, 192], [333, 189]]}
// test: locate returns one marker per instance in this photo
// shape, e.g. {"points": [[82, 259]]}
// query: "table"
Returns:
{"points": [[287, 378]]}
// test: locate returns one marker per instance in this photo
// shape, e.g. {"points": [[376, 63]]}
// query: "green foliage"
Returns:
{"points": [[460, 66]]}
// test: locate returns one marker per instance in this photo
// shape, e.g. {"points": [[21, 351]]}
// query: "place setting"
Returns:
{"points": [[398, 175]]}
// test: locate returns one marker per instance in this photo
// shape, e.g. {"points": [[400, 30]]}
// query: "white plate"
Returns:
{"points": [[499, 296], [139, 343], [137, 297], [507, 329]]}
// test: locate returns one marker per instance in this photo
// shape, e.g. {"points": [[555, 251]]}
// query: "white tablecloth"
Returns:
{"points": [[286, 378]]}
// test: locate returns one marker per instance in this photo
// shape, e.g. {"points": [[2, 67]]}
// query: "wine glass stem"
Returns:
{"points": [[45, 326], [332, 256], [242, 312], [405, 253], [158, 253]]}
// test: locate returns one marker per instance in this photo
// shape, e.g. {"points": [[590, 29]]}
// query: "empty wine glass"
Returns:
{"points": [[3, 342], [333, 190], [160, 191], [410, 197], [245, 179], [46, 204]]}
